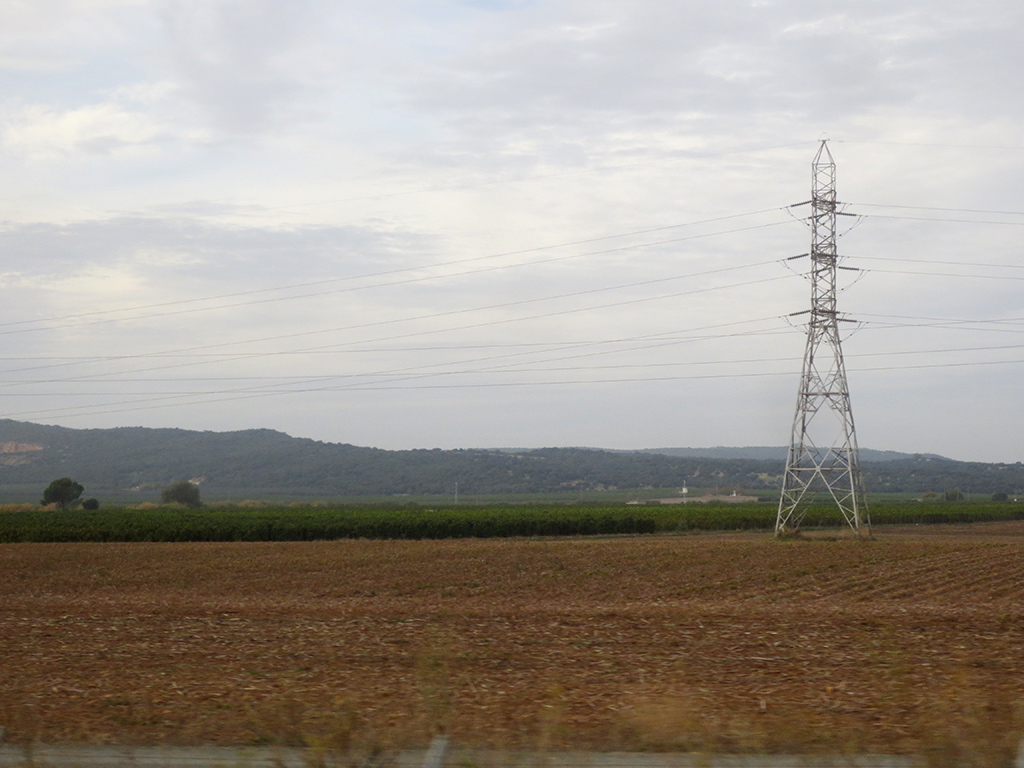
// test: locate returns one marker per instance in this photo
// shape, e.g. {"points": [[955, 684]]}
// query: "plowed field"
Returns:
{"points": [[909, 642]]}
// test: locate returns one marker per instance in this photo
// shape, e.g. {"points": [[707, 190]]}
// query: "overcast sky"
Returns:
{"points": [[509, 223]]}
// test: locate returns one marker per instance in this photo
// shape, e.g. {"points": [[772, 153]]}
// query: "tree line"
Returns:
{"points": [[261, 462]]}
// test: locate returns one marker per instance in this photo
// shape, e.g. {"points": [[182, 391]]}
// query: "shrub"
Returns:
{"points": [[91, 504], [185, 493]]}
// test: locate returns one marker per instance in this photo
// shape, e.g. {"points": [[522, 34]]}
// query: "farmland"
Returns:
{"points": [[911, 642], [310, 523]]}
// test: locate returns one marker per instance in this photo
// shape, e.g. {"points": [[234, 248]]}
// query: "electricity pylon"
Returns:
{"points": [[823, 463]]}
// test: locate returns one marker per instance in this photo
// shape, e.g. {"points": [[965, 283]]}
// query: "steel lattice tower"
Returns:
{"points": [[823, 464]]}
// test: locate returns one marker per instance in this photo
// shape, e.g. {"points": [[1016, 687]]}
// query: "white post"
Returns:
{"points": [[434, 758]]}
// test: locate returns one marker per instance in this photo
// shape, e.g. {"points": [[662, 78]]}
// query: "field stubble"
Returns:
{"points": [[910, 643]]}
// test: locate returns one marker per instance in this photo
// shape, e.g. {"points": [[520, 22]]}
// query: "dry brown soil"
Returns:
{"points": [[724, 642]]}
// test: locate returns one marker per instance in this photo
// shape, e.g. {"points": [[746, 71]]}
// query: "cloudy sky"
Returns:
{"points": [[509, 222]]}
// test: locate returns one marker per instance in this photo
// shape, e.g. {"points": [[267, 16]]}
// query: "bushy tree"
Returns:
{"points": [[62, 492], [999, 497], [91, 504], [181, 493], [954, 494]]}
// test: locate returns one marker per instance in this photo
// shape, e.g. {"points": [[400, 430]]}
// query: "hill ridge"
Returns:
{"points": [[267, 463]]}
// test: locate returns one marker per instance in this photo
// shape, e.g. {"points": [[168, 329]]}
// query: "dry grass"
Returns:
{"points": [[20, 507], [911, 643]]}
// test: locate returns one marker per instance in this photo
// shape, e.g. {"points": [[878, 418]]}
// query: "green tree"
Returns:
{"points": [[954, 494], [62, 492], [999, 497], [181, 493], [91, 504]]}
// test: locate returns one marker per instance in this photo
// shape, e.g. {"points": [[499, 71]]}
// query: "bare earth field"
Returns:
{"points": [[909, 643]]}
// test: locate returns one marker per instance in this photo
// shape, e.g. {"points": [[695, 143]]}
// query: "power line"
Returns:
{"points": [[933, 208], [214, 398], [649, 341], [404, 382], [448, 313], [660, 343], [385, 273], [1003, 325], [936, 219], [943, 262], [930, 144], [943, 274], [230, 356], [647, 337], [412, 377], [502, 369]]}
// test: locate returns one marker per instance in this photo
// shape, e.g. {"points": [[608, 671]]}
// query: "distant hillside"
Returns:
{"points": [[262, 462], [777, 453]]}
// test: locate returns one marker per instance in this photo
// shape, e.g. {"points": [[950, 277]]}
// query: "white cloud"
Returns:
{"points": [[104, 129], [57, 35], [234, 59]]}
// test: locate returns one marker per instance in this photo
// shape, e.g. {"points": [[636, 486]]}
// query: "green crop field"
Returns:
{"points": [[309, 523]]}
